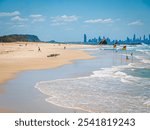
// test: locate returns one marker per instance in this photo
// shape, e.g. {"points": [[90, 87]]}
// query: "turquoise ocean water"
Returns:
{"points": [[119, 85]]}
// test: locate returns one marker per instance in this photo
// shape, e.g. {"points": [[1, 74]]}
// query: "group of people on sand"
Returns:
{"points": [[39, 49]]}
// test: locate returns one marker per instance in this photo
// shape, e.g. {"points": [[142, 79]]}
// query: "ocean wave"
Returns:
{"points": [[114, 89], [117, 72], [99, 92], [93, 94], [146, 61], [143, 59]]}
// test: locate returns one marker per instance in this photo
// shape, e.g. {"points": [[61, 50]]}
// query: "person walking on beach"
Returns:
{"points": [[39, 49]]}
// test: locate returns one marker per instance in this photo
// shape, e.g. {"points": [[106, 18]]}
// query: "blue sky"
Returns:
{"points": [[68, 20]]}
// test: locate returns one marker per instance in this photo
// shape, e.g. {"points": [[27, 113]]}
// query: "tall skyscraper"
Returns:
{"points": [[85, 38], [140, 38], [144, 38], [99, 39], [128, 40], [134, 38]]}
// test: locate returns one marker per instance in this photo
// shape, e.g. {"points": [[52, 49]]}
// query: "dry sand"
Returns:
{"points": [[20, 56]]}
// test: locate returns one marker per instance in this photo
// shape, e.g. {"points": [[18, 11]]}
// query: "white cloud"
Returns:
{"points": [[9, 14], [19, 19], [138, 22], [109, 20], [64, 19], [35, 15], [57, 24], [18, 26], [37, 18]]}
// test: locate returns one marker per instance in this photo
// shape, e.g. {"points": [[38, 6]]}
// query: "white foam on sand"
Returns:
{"points": [[106, 90]]}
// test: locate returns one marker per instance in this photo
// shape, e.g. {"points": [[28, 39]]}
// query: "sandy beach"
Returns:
{"points": [[53, 85], [21, 56]]}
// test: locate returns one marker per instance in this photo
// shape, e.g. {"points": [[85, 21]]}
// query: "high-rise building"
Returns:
{"points": [[128, 40], [99, 39], [144, 38], [85, 38], [140, 38], [134, 38]]}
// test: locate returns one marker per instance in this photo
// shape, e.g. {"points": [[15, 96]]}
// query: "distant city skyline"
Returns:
{"points": [[68, 20], [134, 39]]}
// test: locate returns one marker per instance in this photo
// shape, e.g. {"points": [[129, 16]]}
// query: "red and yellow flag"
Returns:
{"points": [[115, 45], [124, 48]]}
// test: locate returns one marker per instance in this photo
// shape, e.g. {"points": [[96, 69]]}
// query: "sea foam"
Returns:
{"points": [[106, 90], [114, 89]]}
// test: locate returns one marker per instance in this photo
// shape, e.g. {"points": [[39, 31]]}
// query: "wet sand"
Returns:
{"points": [[18, 57], [1, 90]]}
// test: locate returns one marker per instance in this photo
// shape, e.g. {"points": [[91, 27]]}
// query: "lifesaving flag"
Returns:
{"points": [[124, 48], [115, 45]]}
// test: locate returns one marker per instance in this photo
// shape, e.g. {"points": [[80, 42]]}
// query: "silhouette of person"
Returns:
{"points": [[39, 49]]}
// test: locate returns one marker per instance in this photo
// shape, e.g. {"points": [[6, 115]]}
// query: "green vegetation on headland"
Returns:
{"points": [[19, 38]]}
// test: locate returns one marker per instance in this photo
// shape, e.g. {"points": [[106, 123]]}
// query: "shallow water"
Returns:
{"points": [[21, 96], [117, 86], [108, 83]]}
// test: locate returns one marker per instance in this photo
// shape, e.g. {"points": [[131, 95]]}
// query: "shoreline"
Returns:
{"points": [[73, 109], [19, 57], [46, 106], [22, 95], [18, 60]]}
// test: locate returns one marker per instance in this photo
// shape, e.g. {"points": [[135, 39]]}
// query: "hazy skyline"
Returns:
{"points": [[68, 20]]}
